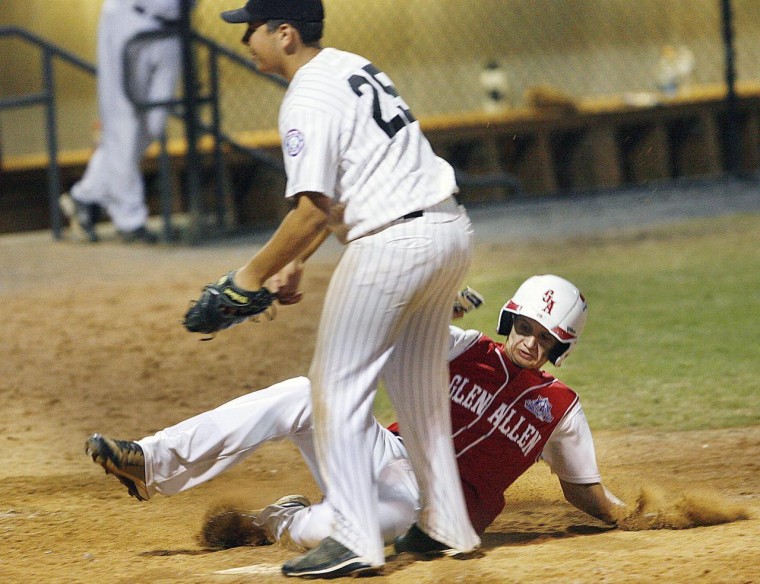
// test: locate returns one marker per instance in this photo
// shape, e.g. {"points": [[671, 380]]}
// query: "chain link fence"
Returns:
{"points": [[438, 53], [450, 56], [453, 60]]}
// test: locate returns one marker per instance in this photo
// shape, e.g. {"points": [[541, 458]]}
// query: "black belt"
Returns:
{"points": [[413, 215], [164, 21]]}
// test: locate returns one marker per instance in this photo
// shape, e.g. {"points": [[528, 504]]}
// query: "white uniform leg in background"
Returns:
{"points": [[113, 178], [393, 286], [202, 447]]}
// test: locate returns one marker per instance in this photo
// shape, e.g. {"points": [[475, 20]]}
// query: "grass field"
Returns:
{"points": [[674, 314]]}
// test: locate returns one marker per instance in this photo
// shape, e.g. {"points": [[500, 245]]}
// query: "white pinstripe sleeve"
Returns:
{"points": [[310, 145], [570, 449]]}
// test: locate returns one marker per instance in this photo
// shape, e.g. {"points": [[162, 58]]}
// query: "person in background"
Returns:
{"points": [[113, 180]]}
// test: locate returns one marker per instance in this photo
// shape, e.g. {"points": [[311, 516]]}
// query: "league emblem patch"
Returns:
{"points": [[294, 142], [540, 407]]}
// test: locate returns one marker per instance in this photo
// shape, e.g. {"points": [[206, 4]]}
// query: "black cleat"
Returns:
{"points": [[139, 235], [289, 501], [123, 459], [416, 541], [329, 559], [82, 217]]}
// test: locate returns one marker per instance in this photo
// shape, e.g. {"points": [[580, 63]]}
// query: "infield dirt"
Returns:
{"points": [[92, 341]]}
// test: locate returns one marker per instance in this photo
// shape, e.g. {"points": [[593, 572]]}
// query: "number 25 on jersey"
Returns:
{"points": [[383, 93]]}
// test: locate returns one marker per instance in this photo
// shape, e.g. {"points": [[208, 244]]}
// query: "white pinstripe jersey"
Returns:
{"points": [[347, 134]]}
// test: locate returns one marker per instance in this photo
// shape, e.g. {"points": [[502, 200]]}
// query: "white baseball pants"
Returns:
{"points": [[113, 176], [385, 317], [204, 446]]}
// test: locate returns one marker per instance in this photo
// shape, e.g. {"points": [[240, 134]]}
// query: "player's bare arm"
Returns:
{"points": [[594, 499], [301, 228], [285, 283]]}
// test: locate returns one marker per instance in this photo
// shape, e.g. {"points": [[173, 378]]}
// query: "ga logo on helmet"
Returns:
{"points": [[548, 299], [294, 142]]}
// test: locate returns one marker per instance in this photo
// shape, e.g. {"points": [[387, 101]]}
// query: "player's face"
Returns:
{"points": [[262, 44], [529, 343]]}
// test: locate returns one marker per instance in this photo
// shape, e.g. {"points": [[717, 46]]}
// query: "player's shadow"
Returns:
{"points": [[491, 540], [191, 552], [185, 552]]}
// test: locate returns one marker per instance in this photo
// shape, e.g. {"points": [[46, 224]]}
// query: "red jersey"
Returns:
{"points": [[502, 416]]}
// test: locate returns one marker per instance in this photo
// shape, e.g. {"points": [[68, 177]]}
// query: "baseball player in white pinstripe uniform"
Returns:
{"points": [[358, 165], [113, 179]]}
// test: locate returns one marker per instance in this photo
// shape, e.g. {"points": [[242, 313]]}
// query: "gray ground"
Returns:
{"points": [[513, 220], [605, 211], [612, 210]]}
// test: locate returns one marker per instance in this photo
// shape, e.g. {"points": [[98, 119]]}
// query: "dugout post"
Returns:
{"points": [[733, 139], [190, 112]]}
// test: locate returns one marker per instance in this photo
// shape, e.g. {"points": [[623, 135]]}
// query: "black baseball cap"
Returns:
{"points": [[299, 10]]}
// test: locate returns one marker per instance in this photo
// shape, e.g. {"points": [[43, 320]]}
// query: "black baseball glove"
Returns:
{"points": [[222, 305]]}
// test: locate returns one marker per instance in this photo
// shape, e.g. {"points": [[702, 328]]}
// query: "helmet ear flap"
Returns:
{"points": [[557, 351], [505, 322]]}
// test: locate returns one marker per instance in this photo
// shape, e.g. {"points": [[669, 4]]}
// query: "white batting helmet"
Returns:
{"points": [[553, 302]]}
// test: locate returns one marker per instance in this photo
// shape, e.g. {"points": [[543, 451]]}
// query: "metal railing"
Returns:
{"points": [[46, 97], [186, 108], [182, 106], [710, 30]]}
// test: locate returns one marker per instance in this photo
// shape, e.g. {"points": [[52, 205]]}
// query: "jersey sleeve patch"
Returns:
{"points": [[294, 142], [540, 407]]}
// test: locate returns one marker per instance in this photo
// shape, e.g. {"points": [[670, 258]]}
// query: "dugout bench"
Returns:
{"points": [[598, 143], [605, 142]]}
